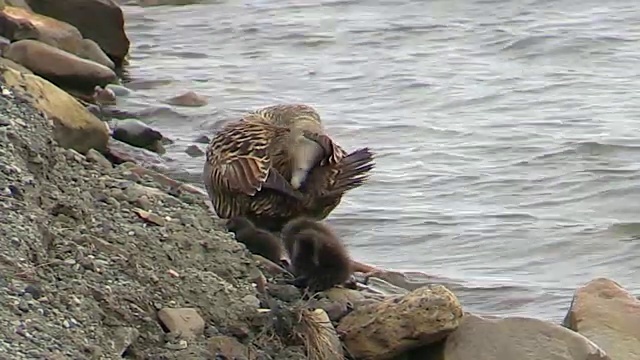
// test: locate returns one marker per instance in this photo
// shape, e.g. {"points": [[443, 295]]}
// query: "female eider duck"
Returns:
{"points": [[274, 165]]}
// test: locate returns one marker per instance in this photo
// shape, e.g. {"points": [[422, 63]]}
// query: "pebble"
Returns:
{"points": [[194, 151], [118, 90], [179, 345], [94, 156], [23, 306], [252, 301], [202, 139]]}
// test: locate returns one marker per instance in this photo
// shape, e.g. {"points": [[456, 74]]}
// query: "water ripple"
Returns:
{"points": [[506, 132]]}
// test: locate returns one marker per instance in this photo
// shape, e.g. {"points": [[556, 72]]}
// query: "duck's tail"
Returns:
{"points": [[353, 171]]}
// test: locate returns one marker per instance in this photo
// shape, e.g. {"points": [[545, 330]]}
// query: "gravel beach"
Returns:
{"points": [[82, 274]]}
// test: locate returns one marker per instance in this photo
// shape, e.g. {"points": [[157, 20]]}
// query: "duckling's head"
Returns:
{"points": [[238, 223]]}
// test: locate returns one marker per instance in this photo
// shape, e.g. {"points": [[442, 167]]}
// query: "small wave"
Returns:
{"points": [[528, 42], [626, 228], [601, 148]]}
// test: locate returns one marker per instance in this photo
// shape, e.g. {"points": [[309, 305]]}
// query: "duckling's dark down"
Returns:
{"points": [[319, 259], [248, 171], [258, 241]]}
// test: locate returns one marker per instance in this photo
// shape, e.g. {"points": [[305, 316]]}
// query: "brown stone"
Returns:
{"points": [[150, 217], [95, 157], [227, 347], [608, 315], [343, 295], [15, 66], [90, 50], [124, 337], [74, 126], [99, 20], [513, 338], [330, 348], [395, 325], [189, 98], [18, 24], [60, 67], [184, 321]]}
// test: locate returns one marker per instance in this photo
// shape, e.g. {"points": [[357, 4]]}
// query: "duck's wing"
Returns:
{"points": [[239, 158], [333, 153], [333, 180]]}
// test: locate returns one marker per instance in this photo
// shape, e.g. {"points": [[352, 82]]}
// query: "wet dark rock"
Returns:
{"points": [[194, 151], [136, 133], [202, 139]]}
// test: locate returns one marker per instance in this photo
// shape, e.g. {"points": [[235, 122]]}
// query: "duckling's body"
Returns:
{"points": [[319, 259], [258, 241], [272, 169]]}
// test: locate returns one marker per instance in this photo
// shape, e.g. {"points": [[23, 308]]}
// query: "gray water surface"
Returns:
{"points": [[506, 131]]}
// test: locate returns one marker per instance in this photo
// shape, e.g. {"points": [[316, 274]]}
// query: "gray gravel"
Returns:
{"points": [[82, 275]]}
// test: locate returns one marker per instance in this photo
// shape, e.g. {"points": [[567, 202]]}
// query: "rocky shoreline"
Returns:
{"points": [[105, 258]]}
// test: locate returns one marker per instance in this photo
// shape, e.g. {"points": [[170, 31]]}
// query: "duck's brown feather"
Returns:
{"points": [[289, 114], [239, 163], [248, 170], [308, 119]]}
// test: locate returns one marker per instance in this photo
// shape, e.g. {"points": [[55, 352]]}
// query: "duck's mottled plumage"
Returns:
{"points": [[249, 168]]}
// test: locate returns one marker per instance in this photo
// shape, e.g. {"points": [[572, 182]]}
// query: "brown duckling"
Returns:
{"points": [[319, 259], [251, 166], [258, 241]]}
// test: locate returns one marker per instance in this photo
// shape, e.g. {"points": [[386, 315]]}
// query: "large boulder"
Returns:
{"points": [[99, 20], [74, 126], [395, 325], [15, 66], [59, 67], [90, 50], [512, 338], [17, 24], [608, 315]]}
